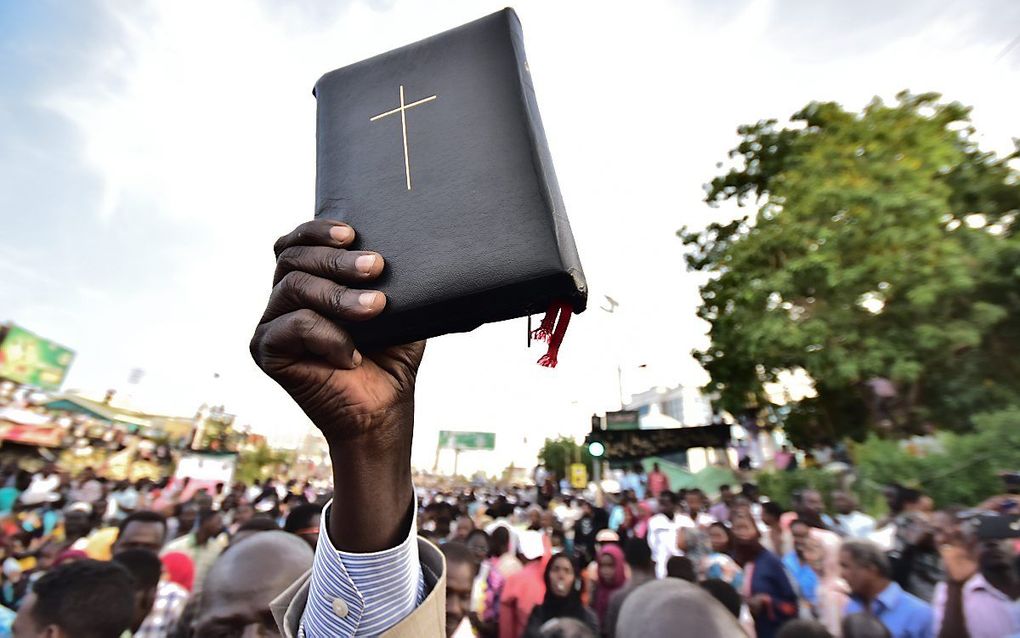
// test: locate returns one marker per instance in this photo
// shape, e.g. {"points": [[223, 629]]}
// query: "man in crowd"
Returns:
{"points": [[244, 581], [849, 521], [658, 482], [798, 562], [141, 530], [82, 599], [867, 572], [662, 530], [461, 569], [721, 510], [203, 545], [303, 520], [145, 570], [978, 598]]}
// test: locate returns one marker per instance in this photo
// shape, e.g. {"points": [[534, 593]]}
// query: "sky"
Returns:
{"points": [[151, 152]]}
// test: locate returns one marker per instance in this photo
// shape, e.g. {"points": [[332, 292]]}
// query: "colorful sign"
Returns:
{"points": [[28, 358], [578, 476], [467, 440]]}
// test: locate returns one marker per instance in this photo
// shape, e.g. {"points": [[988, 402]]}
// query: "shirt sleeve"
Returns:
{"points": [[361, 594]]}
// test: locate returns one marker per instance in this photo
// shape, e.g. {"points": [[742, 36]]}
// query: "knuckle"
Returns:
{"points": [[289, 258], [280, 244], [338, 297]]}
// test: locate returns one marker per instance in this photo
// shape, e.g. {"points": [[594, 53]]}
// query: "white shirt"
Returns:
{"points": [[662, 541], [856, 524]]}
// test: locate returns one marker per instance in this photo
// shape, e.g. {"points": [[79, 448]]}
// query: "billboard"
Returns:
{"points": [[624, 445], [623, 420], [29, 359], [467, 440]]}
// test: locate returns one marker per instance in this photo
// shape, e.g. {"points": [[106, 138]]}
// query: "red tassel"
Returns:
{"points": [[544, 330], [550, 359]]}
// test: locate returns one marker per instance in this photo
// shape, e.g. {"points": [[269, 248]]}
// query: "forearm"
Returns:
{"points": [[372, 493]]}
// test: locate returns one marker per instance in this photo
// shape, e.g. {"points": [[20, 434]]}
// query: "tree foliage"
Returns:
{"points": [[884, 245], [557, 455], [262, 462]]}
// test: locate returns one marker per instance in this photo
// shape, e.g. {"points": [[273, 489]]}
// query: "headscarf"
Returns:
{"points": [[568, 606], [745, 552], [180, 569], [605, 589]]}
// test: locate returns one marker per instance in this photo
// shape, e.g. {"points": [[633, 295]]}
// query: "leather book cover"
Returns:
{"points": [[436, 155]]}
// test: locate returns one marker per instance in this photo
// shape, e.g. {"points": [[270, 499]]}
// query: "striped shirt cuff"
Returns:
{"points": [[361, 594]]}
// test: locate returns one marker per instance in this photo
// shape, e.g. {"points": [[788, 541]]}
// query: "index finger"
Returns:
{"points": [[318, 232]]}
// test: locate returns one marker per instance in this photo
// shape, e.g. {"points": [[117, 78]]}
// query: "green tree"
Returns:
{"points": [[884, 245], [557, 455], [262, 462]]}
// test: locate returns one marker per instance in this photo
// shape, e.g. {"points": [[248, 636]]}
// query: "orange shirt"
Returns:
{"points": [[521, 593]]}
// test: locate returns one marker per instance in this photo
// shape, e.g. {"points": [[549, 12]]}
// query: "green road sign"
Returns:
{"points": [[467, 440]]}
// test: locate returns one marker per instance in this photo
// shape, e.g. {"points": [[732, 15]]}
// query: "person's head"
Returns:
{"points": [[746, 538], [725, 593], [611, 570], [179, 569], [210, 524], [77, 523], [721, 538], [864, 625], [725, 494], [463, 527], [243, 513], [811, 504], [561, 577], [637, 554], [256, 524], [187, 514], [478, 543], [865, 568], [46, 555], [681, 567], [667, 503], [664, 606], [461, 569], [243, 581], [145, 568], [801, 533], [803, 628], [655, 467], [141, 530], [83, 599], [843, 502], [548, 520], [771, 512], [499, 541], [303, 521], [694, 501], [638, 468]]}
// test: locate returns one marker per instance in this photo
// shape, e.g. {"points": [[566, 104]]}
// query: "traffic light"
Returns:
{"points": [[596, 448]]}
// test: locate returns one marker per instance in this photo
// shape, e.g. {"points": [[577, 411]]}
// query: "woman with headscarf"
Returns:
{"points": [[562, 597], [766, 588], [612, 575]]}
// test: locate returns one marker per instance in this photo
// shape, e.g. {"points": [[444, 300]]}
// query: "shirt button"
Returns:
{"points": [[340, 607]]}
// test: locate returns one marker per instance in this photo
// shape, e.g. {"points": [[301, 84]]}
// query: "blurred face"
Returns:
{"points": [[459, 578], [744, 530], [666, 506], [24, 625], [947, 530], [693, 502], [548, 519], [464, 527], [479, 546], [187, 518], [801, 534], [243, 513], [812, 502], [607, 568], [843, 503], [720, 541], [561, 576], [147, 535], [857, 577]]}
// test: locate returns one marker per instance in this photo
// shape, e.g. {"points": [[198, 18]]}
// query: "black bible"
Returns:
{"points": [[436, 155]]}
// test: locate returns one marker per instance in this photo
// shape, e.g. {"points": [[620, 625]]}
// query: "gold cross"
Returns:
{"points": [[403, 126]]}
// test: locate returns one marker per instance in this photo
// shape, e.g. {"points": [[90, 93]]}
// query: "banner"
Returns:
{"points": [[467, 440], [637, 444], [29, 359], [623, 420]]}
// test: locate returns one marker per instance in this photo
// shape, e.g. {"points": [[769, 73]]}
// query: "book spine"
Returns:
{"points": [[544, 167]]}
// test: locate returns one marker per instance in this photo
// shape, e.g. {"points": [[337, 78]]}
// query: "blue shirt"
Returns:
{"points": [[807, 579], [904, 615]]}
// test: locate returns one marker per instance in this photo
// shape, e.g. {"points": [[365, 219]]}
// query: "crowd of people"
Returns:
{"points": [[88, 557]]}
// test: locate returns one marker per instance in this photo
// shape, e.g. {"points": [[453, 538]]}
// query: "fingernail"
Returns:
{"points": [[341, 233], [365, 264], [367, 299], [356, 358]]}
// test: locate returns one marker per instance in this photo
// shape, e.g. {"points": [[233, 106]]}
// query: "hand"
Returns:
{"points": [[362, 402], [300, 341], [959, 563]]}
